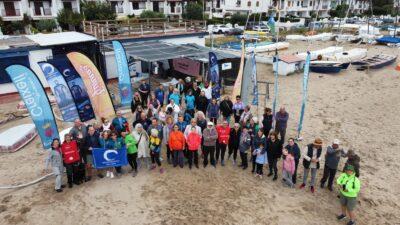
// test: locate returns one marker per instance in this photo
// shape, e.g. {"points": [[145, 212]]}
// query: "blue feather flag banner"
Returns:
{"points": [[36, 101], [276, 61], [124, 79], [305, 90], [254, 79], [214, 75]]}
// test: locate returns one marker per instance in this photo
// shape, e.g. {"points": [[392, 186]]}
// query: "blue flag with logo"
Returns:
{"points": [[254, 78], [76, 86], [36, 101], [214, 75], [124, 79], [305, 90], [61, 91], [105, 158], [276, 62]]}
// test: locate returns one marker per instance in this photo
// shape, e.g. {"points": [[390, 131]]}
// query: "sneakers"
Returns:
{"points": [[330, 188], [302, 186], [162, 170], [152, 167], [351, 222], [270, 174], [322, 185], [134, 173], [312, 189], [70, 185], [275, 178], [100, 175], [341, 217], [111, 175], [59, 190], [108, 174], [222, 163]]}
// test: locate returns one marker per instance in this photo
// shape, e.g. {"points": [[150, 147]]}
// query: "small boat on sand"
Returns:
{"points": [[327, 67], [375, 62]]}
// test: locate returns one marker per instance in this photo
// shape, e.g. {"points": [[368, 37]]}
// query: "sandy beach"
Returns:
{"points": [[358, 107]]}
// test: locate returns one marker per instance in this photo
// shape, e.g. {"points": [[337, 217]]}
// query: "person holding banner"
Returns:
{"points": [[142, 144], [92, 141], [177, 145], [118, 145], [106, 142], [144, 89], [55, 160]]}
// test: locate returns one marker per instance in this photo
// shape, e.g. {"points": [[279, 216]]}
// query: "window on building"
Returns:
{"points": [[135, 5], [248, 3], [172, 6], [298, 3], [238, 3], [311, 3], [257, 4]]}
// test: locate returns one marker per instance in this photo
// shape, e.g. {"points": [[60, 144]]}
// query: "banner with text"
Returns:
{"points": [[36, 101], [76, 86], [95, 86], [124, 78], [186, 66]]}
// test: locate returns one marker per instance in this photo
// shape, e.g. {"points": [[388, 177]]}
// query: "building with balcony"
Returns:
{"points": [[14, 10]]}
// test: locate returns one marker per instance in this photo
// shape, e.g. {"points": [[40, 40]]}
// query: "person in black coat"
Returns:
{"points": [[267, 121], [274, 152], [202, 102], [226, 108], [234, 140], [92, 140], [294, 149]]}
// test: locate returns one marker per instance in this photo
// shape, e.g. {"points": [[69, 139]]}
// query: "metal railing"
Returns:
{"points": [[111, 29]]}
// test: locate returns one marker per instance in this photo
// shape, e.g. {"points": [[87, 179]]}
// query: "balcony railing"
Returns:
{"points": [[3, 13], [46, 12]]}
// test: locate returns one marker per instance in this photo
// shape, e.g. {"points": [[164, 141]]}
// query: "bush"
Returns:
{"points": [[94, 10], [194, 11], [131, 16], [340, 11], [46, 25], [215, 21], [239, 19], [66, 18], [150, 14]]}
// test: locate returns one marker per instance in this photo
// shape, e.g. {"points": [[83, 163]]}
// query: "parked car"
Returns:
{"points": [[261, 28], [234, 31], [220, 28]]}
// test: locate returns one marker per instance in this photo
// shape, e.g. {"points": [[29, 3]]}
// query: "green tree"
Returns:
{"points": [[194, 11], [46, 25], [150, 14], [340, 11], [239, 19], [69, 19], [94, 10]]}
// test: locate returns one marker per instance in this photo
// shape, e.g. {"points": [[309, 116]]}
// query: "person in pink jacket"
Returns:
{"points": [[193, 140], [288, 168]]}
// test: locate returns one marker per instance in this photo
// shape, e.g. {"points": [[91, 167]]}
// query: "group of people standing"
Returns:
{"points": [[192, 126]]}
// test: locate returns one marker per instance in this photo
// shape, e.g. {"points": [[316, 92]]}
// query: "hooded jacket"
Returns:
{"points": [[70, 152], [193, 141], [223, 134], [176, 141], [350, 183]]}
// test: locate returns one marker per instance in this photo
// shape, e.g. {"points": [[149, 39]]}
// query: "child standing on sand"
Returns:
{"points": [[55, 160], [288, 168], [155, 149], [261, 159]]}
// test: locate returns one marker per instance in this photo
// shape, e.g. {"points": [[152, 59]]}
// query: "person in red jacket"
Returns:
{"points": [[193, 140], [223, 140], [70, 153], [176, 143]]}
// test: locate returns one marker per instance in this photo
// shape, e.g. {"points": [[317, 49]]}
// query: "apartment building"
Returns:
{"points": [[171, 8], [300, 8], [14, 10]]}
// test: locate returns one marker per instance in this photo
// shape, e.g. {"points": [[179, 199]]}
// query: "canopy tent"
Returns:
{"points": [[153, 51]]}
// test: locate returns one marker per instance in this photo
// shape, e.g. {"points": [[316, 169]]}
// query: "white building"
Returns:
{"points": [[170, 8], [300, 8], [14, 10]]}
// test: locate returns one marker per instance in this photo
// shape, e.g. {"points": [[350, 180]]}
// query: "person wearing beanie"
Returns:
{"points": [[155, 149], [210, 136], [349, 186], [332, 158], [311, 157]]}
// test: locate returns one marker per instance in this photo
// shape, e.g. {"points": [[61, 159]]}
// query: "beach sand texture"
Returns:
{"points": [[359, 108]]}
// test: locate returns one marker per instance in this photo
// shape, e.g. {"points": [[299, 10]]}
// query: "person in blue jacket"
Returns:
{"points": [[213, 111], [190, 103], [160, 94], [119, 122]]}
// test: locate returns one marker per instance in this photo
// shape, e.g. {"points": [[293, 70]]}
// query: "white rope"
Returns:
{"points": [[27, 184]]}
